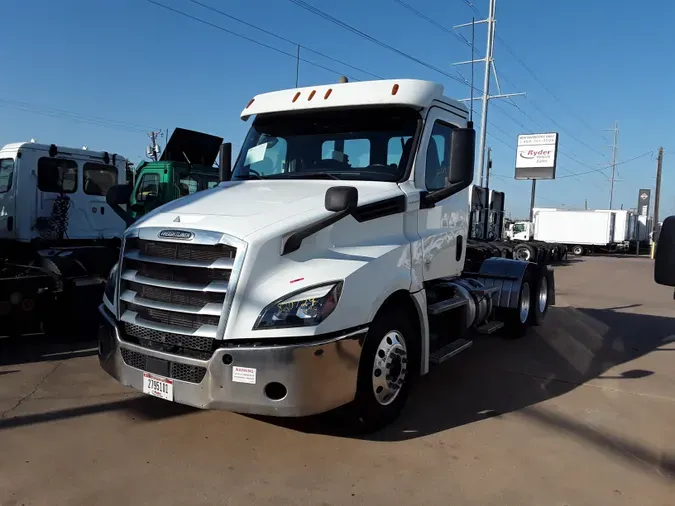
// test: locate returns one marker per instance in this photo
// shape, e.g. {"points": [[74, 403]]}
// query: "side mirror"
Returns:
{"points": [[462, 155], [341, 199], [225, 161], [664, 265], [119, 195]]}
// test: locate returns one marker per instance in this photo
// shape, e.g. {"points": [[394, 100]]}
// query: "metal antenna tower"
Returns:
{"points": [[615, 146], [489, 66]]}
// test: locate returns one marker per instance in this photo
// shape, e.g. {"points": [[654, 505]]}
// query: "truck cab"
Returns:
{"points": [[52, 193], [327, 269], [520, 231], [185, 167]]}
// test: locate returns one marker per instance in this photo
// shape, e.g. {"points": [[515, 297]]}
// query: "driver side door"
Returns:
{"points": [[7, 201]]}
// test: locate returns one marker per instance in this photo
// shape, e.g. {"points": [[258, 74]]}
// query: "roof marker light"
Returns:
{"points": [[297, 96], [330, 90], [394, 89], [311, 95], [249, 104]]}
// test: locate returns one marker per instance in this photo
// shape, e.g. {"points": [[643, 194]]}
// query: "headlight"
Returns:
{"points": [[301, 309], [111, 284]]}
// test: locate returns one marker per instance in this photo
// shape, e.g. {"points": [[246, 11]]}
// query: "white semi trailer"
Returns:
{"points": [[328, 268]]}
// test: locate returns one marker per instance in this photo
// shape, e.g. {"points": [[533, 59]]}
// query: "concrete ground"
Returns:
{"points": [[580, 412]]}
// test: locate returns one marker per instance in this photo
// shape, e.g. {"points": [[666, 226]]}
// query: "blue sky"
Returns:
{"points": [[103, 73]]}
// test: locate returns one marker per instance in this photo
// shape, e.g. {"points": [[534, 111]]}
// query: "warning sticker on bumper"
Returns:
{"points": [[243, 375]]}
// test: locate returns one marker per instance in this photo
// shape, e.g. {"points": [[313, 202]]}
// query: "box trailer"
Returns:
{"points": [[581, 231]]}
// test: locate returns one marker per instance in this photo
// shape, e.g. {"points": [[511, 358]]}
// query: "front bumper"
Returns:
{"points": [[318, 376]]}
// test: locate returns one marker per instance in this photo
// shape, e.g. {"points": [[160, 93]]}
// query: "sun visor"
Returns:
{"points": [[200, 148]]}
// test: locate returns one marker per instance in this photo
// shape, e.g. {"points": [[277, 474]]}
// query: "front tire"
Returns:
{"points": [[517, 320], [389, 361]]}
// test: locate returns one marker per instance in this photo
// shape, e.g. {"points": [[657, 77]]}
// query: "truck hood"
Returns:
{"points": [[240, 208]]}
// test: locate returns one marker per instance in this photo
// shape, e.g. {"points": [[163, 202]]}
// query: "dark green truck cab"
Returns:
{"points": [[185, 167]]}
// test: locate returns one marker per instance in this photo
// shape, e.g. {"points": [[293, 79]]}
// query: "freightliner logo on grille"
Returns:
{"points": [[182, 235]]}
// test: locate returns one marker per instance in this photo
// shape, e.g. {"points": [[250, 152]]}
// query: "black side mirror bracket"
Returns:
{"points": [[119, 195], [225, 161], [341, 200]]}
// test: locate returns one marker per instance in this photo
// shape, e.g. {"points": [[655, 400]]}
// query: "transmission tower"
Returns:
{"points": [[489, 67]]}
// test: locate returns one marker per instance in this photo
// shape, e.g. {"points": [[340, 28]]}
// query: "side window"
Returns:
{"points": [[57, 175], [438, 152], [187, 185], [148, 187], [98, 178], [6, 173]]}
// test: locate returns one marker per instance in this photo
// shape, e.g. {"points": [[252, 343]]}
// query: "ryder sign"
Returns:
{"points": [[536, 156]]}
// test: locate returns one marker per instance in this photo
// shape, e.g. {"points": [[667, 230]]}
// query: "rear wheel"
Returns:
{"points": [[525, 252], [388, 363], [578, 250], [539, 303], [516, 320]]}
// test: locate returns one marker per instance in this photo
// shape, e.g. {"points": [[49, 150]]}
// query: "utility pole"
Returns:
{"points": [[586, 204], [153, 149], [489, 66], [657, 197], [534, 190], [614, 148], [487, 193]]}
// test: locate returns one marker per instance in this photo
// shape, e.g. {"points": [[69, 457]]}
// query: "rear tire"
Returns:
{"points": [[389, 361], [525, 253], [540, 300], [516, 320]]}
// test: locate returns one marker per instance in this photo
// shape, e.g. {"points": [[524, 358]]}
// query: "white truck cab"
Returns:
{"points": [[520, 231], [50, 192], [327, 269]]}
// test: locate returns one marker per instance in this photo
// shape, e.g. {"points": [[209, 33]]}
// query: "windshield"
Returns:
{"points": [[368, 144]]}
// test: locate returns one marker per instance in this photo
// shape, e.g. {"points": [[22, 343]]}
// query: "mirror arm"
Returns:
{"points": [[294, 240]]}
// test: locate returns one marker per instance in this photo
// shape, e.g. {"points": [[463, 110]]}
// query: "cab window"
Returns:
{"points": [[57, 175], [438, 151], [6, 174], [187, 185], [148, 188], [98, 178]]}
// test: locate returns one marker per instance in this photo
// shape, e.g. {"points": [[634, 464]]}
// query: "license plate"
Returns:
{"points": [[158, 386]]}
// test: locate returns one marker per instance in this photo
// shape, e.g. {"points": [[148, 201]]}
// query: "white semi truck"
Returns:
{"points": [[58, 236], [327, 270]]}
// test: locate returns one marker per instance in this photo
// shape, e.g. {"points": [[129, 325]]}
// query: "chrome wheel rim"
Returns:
{"points": [[543, 294], [390, 367], [524, 254], [524, 308]]}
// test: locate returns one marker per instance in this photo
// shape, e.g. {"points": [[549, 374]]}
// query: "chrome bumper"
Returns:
{"points": [[318, 376]]}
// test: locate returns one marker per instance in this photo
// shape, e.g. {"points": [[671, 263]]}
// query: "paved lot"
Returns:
{"points": [[581, 412]]}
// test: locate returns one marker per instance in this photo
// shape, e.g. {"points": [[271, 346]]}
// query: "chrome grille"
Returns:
{"points": [[172, 294], [181, 340], [177, 371]]}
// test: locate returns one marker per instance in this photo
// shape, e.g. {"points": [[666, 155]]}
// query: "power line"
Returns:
{"points": [[306, 48], [272, 48], [430, 20], [72, 116], [534, 76], [318, 12], [651, 152]]}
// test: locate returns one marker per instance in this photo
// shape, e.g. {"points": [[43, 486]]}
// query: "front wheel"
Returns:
{"points": [[387, 365]]}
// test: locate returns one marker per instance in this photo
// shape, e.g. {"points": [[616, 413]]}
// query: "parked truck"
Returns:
{"points": [[58, 236], [327, 270], [581, 232]]}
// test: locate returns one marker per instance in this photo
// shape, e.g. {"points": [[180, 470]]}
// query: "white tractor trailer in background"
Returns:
{"points": [[328, 269]]}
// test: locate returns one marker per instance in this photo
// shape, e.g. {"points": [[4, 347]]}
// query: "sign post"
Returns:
{"points": [[644, 195]]}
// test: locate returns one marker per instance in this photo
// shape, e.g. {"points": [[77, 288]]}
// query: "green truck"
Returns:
{"points": [[186, 166]]}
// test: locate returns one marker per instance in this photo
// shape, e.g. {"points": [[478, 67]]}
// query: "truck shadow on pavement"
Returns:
{"points": [[41, 348], [500, 376]]}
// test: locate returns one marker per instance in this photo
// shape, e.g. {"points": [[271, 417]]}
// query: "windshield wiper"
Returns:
{"points": [[249, 176]]}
